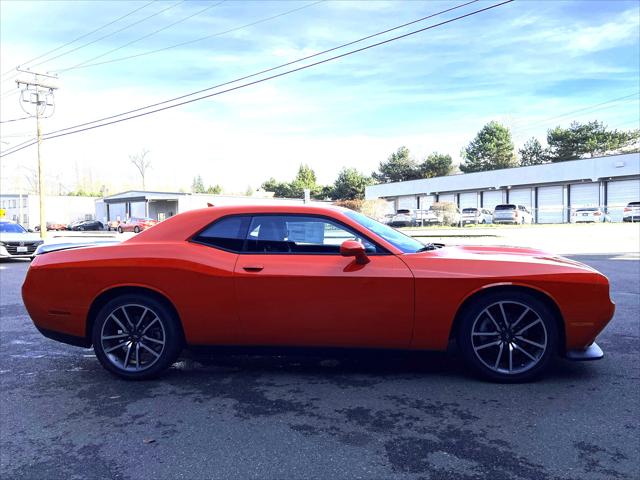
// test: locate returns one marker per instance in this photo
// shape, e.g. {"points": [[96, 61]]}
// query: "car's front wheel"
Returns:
{"points": [[508, 336], [136, 337], [120, 230], [136, 229]]}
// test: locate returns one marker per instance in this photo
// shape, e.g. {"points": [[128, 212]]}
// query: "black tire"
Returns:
{"points": [[166, 323], [512, 302], [120, 230], [136, 229]]}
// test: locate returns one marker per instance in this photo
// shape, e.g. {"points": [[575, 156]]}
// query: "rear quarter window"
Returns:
{"points": [[227, 233]]}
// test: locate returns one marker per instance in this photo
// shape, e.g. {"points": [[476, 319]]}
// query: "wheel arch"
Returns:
{"points": [[109, 294], [540, 294]]}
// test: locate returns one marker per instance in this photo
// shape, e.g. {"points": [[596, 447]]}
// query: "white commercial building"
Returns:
{"points": [[162, 205], [551, 190], [25, 209]]}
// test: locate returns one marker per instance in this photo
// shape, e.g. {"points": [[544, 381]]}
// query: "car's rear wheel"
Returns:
{"points": [[136, 337], [120, 230], [508, 336], [136, 229]]}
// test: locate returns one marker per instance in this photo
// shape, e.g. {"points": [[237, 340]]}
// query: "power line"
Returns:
{"points": [[598, 106], [268, 69], [82, 36], [15, 119], [81, 64], [414, 32], [613, 100], [189, 42], [111, 34]]}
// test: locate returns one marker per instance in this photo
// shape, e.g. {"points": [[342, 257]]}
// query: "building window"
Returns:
{"points": [[24, 202]]}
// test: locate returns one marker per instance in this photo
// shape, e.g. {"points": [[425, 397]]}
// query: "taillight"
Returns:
{"points": [[597, 214], [627, 209]]}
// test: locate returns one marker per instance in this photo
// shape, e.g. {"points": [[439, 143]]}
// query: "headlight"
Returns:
{"points": [[2, 244]]}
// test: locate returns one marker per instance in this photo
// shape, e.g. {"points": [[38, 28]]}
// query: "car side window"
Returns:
{"points": [[299, 234], [227, 233]]}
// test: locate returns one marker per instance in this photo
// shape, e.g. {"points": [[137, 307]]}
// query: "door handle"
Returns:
{"points": [[253, 268]]}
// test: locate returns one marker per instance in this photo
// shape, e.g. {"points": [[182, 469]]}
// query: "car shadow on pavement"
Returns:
{"points": [[370, 363]]}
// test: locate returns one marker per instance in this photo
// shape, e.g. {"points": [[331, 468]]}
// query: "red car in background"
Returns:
{"points": [[136, 225], [52, 226]]}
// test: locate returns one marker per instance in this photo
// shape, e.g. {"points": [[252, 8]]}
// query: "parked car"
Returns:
{"points": [[266, 275], [511, 213], [442, 213], [588, 214], [403, 218], [113, 225], [16, 241], [52, 226], [136, 225], [631, 212], [86, 225], [476, 215]]}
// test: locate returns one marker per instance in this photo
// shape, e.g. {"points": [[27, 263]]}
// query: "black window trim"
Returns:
{"points": [[245, 233]]}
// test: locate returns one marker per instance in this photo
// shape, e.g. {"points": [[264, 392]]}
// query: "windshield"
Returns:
{"points": [[469, 210], [6, 227], [398, 239], [505, 207]]}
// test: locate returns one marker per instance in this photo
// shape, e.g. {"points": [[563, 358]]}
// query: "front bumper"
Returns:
{"points": [[592, 352], [4, 254]]}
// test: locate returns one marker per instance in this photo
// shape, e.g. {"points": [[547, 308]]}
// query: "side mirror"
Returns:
{"points": [[352, 248]]}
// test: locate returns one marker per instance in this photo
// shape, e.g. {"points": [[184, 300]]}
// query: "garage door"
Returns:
{"points": [[550, 205], [469, 200], [390, 207], [138, 209], [491, 199], [585, 195], [449, 197], [520, 196], [117, 211], [619, 194], [426, 201], [407, 202]]}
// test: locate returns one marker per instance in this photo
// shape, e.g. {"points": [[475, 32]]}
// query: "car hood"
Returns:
{"points": [[487, 260], [19, 237]]}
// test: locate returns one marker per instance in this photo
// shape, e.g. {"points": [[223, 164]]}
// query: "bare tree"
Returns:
{"points": [[141, 163], [32, 179]]}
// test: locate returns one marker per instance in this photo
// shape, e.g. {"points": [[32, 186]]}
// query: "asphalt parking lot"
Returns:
{"points": [[358, 416]]}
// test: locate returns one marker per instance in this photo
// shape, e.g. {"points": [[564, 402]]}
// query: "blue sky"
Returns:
{"points": [[525, 64]]}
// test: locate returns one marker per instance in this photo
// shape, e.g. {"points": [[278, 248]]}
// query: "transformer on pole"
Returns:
{"points": [[39, 93]]}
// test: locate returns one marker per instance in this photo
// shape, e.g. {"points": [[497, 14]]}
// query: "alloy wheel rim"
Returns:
{"points": [[509, 337], [133, 337]]}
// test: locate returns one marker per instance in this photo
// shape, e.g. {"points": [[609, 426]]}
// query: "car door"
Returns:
{"points": [[294, 288]]}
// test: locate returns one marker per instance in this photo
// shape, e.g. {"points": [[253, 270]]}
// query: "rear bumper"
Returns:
{"points": [[592, 352], [65, 338]]}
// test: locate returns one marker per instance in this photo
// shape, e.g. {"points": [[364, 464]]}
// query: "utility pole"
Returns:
{"points": [[39, 93]]}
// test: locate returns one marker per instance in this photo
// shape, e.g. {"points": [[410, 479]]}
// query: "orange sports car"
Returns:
{"points": [[313, 276]]}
